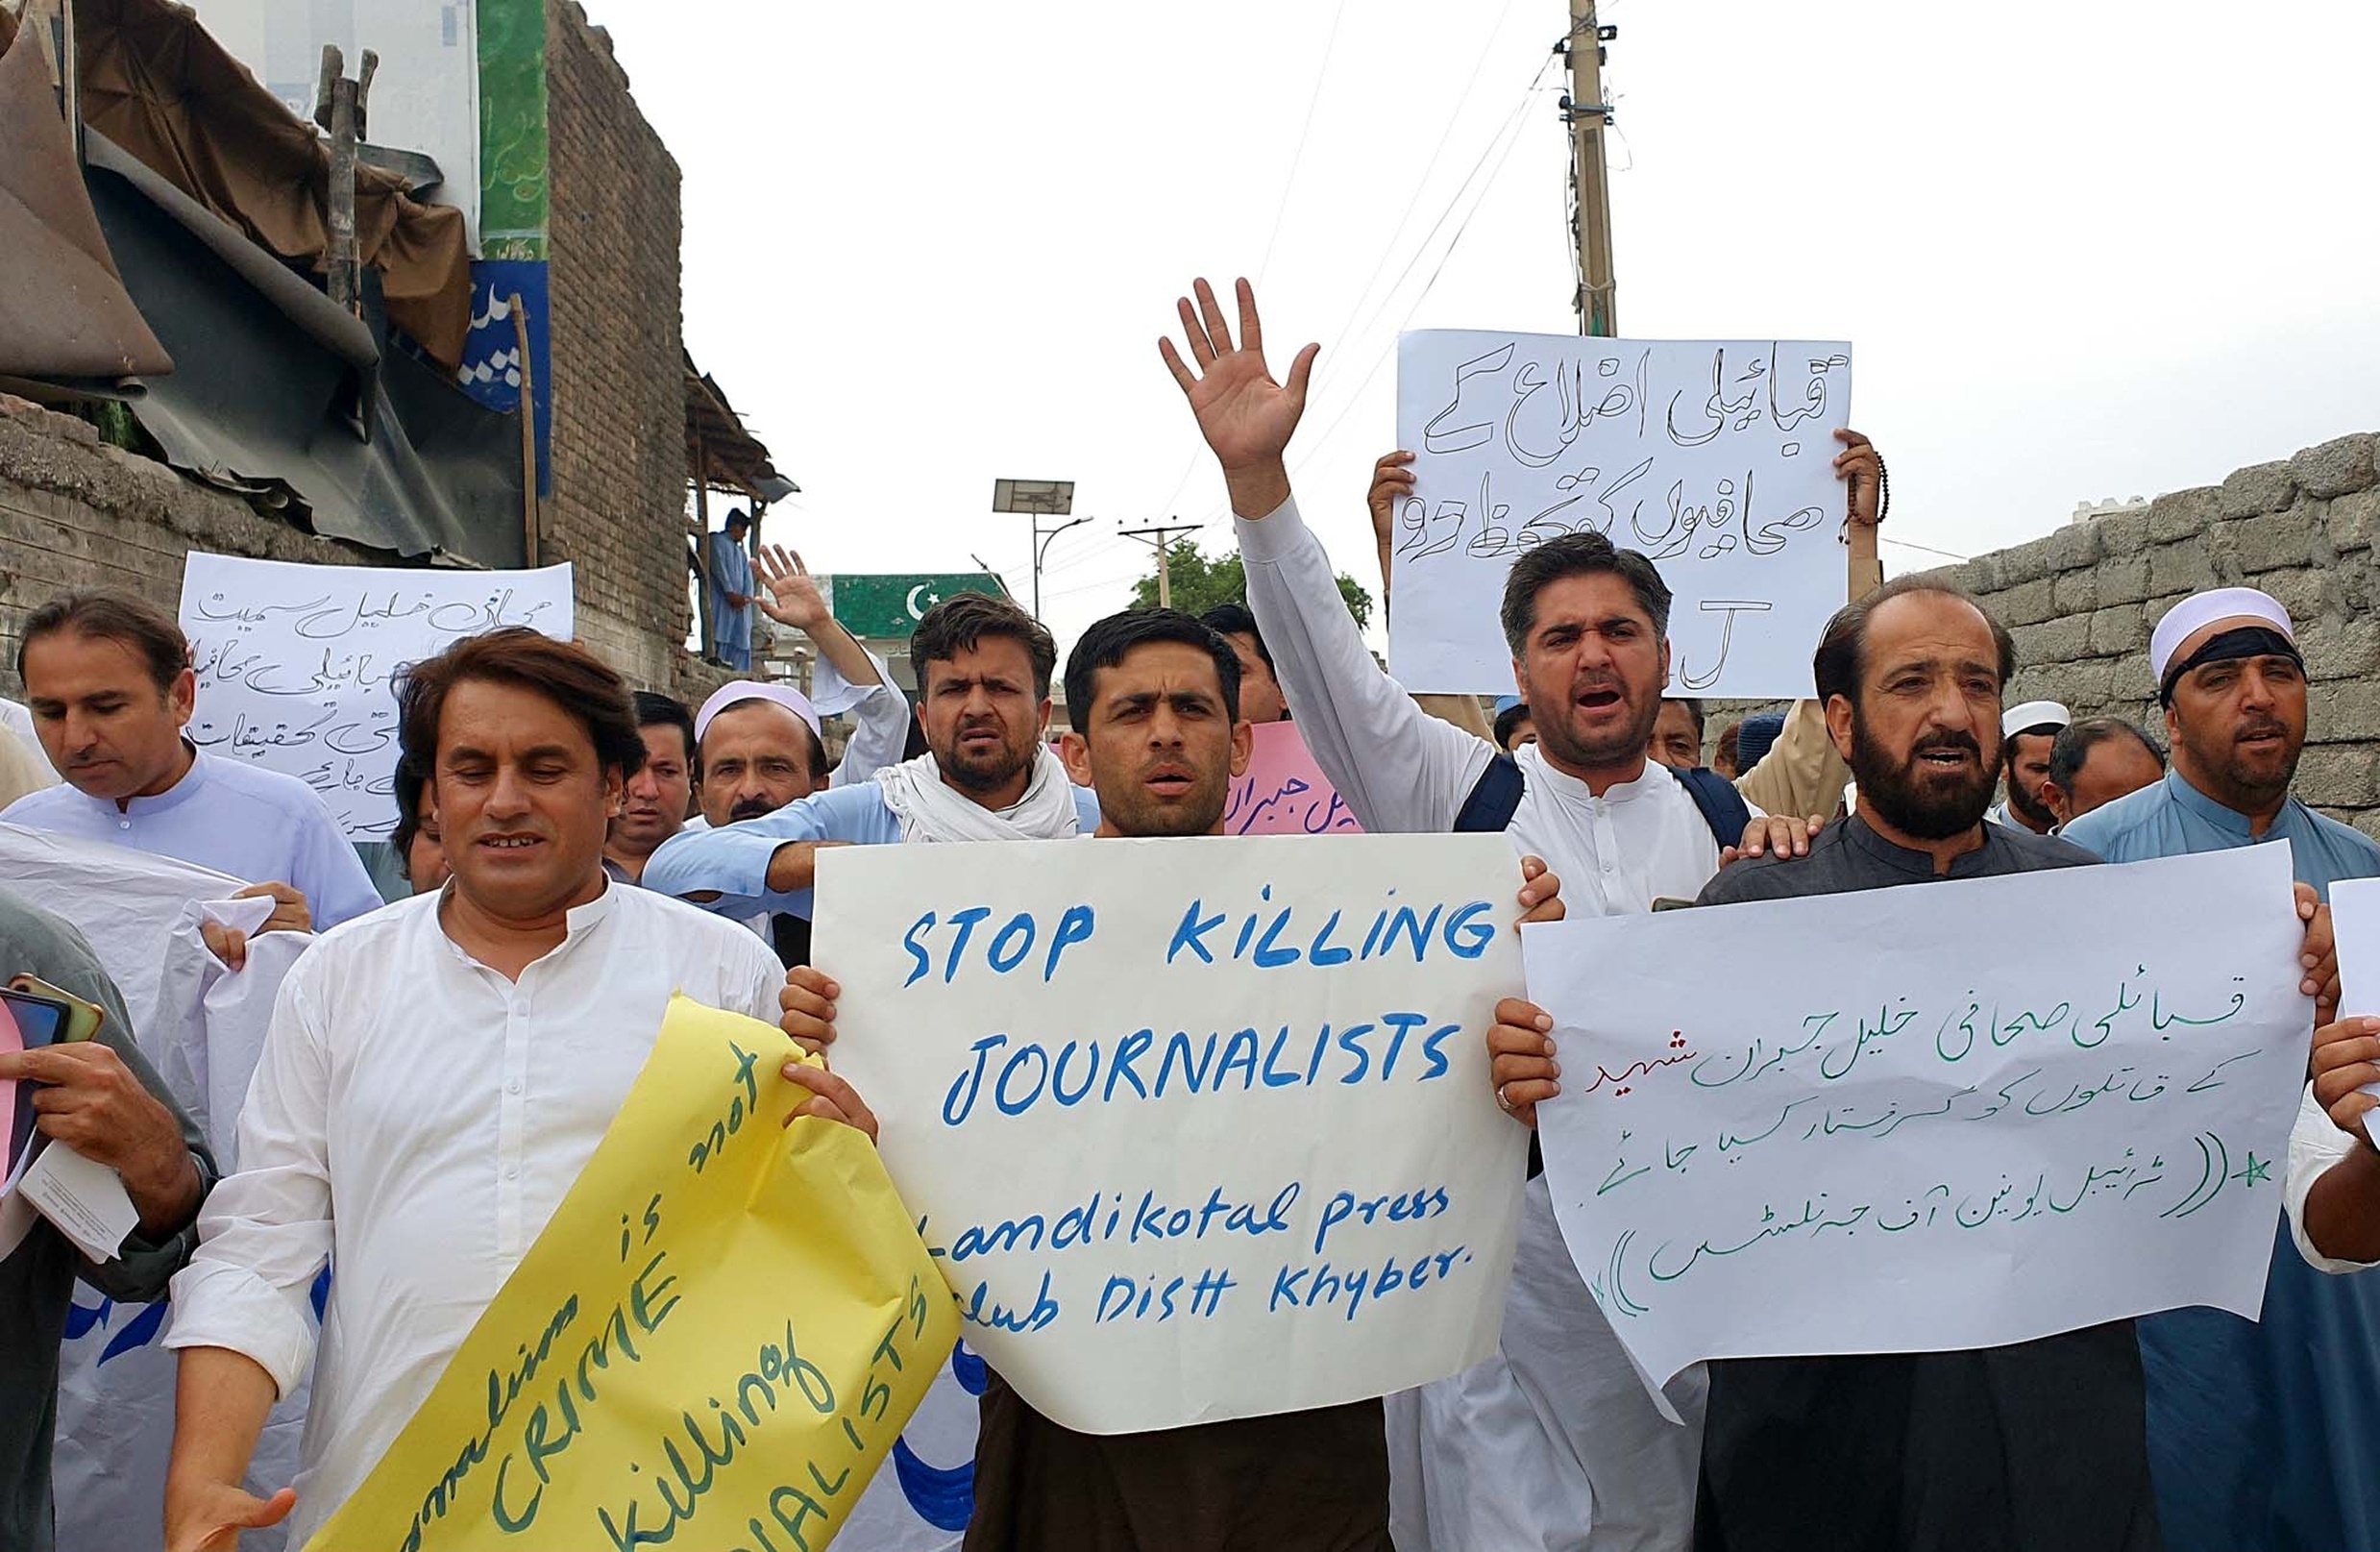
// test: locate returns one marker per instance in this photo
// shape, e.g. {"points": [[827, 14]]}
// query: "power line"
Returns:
{"points": [[1297, 159]]}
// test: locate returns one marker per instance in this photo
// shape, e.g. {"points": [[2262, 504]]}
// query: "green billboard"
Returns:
{"points": [[886, 606]]}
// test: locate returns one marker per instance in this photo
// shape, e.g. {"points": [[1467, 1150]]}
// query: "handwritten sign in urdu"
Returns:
{"points": [[1715, 458], [1282, 792], [1199, 1128], [1944, 1128], [295, 663], [720, 1331]]}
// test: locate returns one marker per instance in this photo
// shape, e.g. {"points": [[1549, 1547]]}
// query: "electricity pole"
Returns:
{"points": [[1586, 112], [1158, 538]]}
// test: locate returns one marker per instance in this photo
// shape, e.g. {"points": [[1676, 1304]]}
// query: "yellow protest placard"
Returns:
{"points": [[721, 1333]]}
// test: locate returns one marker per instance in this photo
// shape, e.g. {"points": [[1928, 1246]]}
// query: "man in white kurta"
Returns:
{"points": [[1553, 1444], [435, 1077]]}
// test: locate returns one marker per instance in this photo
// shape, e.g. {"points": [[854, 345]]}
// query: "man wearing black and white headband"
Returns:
{"points": [[2246, 1420]]}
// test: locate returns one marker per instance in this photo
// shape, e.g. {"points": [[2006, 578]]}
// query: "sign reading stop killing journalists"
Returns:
{"points": [[1198, 1128]]}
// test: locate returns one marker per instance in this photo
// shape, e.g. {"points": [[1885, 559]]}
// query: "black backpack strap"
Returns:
{"points": [[1494, 798], [1723, 807]]}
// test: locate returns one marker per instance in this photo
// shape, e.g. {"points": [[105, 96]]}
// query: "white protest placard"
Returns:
{"points": [[1198, 1128], [295, 662], [1713, 457], [1926, 1124], [2355, 919]]}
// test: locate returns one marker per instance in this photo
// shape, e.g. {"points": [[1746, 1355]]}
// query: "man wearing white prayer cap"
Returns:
{"points": [[2248, 1422], [2026, 733]]}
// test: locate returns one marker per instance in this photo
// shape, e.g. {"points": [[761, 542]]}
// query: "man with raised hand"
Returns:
{"points": [[436, 1076], [984, 668], [2247, 1421], [1154, 698], [1555, 1435]]}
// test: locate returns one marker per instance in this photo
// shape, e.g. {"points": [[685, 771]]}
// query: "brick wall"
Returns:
{"points": [[618, 452], [2082, 602], [76, 513]]}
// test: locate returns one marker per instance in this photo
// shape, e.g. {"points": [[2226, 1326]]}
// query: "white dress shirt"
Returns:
{"points": [[1553, 1442], [445, 1111], [238, 818], [2315, 1143]]}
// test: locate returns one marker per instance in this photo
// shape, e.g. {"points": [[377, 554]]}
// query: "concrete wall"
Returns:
{"points": [[619, 447], [2081, 603]]}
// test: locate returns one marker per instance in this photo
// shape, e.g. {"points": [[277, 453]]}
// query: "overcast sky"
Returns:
{"points": [[2105, 248]]}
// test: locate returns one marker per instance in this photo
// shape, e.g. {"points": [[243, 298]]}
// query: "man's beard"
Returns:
{"points": [[2028, 803], [987, 773], [1554, 738], [1924, 809], [1134, 813], [2250, 778]]}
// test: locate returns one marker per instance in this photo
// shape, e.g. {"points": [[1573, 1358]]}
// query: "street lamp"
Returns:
{"points": [[1036, 499]]}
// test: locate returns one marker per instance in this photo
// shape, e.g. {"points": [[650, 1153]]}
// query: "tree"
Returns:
{"points": [[1201, 581]]}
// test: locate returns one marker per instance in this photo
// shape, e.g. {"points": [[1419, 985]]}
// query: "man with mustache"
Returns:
{"points": [[2246, 1420], [1154, 698], [2027, 736], [984, 668], [1554, 1438], [436, 1076], [2029, 1447]]}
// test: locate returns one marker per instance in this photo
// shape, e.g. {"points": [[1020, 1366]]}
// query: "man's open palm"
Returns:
{"points": [[1245, 416]]}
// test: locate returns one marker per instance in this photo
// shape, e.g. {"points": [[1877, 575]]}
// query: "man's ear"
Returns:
{"points": [[1839, 716], [1664, 665], [182, 697], [1244, 747], [1044, 714], [1074, 753]]}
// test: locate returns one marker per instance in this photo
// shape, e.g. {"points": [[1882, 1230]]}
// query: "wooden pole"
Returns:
{"points": [[529, 432], [339, 108]]}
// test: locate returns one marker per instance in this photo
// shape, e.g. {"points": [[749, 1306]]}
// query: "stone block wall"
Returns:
{"points": [[2081, 601], [619, 441], [76, 513]]}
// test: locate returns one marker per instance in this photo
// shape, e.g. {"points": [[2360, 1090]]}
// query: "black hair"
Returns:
{"points": [[2075, 742], [566, 674], [1694, 709], [1841, 658], [1510, 718], [653, 710], [1107, 642], [958, 624], [410, 780], [1578, 555], [1238, 620], [2008, 743], [99, 614]]}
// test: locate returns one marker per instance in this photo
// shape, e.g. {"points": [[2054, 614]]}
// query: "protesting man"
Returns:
{"points": [[2246, 1420], [415, 839], [984, 667], [654, 805], [1153, 698], [2029, 1447], [435, 1078], [110, 681], [1677, 735], [1556, 1433], [2028, 734], [2096, 762], [1259, 692], [730, 568], [99, 1097]]}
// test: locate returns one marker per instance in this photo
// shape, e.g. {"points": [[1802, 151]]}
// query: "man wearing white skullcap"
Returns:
{"points": [[2025, 734], [2248, 1422]]}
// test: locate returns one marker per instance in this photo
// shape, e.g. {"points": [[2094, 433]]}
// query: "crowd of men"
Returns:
{"points": [[439, 1067]]}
